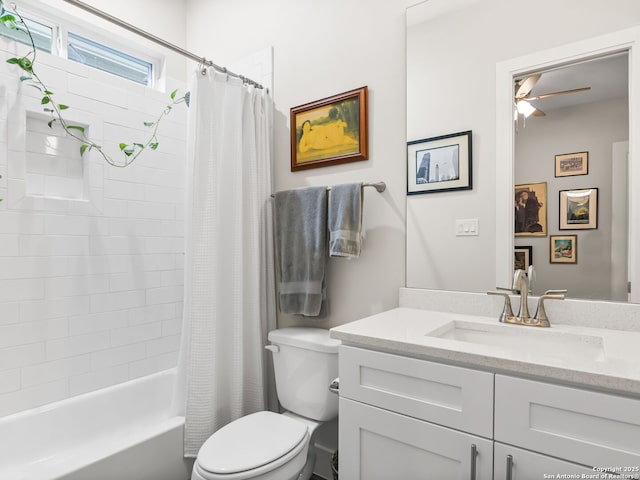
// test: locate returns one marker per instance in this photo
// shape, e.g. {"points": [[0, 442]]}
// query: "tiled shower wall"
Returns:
{"points": [[91, 256]]}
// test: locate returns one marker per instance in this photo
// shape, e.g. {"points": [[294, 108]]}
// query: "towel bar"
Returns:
{"points": [[379, 186]]}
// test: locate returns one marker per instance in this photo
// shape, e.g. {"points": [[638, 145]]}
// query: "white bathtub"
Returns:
{"points": [[122, 432]]}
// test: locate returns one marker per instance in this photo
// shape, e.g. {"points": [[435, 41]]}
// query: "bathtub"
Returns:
{"points": [[120, 432]]}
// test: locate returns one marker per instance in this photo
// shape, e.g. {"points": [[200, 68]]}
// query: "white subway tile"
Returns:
{"points": [[9, 311], [173, 278], [32, 245], [118, 356], [32, 397], [88, 87], [134, 281], [136, 333], [23, 222], [9, 245], [67, 225], [123, 190], [172, 327], [53, 308], [32, 332], [150, 210], [55, 370], [32, 267], [153, 364], [97, 322], [137, 227], [76, 285], [164, 295], [108, 302], [9, 380], [97, 264], [163, 345], [78, 345], [163, 245], [21, 355], [21, 289], [151, 313], [89, 382]]}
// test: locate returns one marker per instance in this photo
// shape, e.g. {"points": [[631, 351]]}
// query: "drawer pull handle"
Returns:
{"points": [[474, 454], [509, 467]]}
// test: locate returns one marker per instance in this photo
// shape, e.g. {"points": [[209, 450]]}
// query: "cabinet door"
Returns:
{"points": [[525, 465], [376, 444], [454, 397], [589, 428]]}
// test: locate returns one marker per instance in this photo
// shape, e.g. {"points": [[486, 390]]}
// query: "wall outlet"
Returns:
{"points": [[466, 227]]}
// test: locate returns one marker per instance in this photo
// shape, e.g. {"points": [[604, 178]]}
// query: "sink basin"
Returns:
{"points": [[536, 343]]}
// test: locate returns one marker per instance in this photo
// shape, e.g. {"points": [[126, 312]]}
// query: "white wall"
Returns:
{"points": [[321, 49], [452, 64], [589, 128], [90, 289]]}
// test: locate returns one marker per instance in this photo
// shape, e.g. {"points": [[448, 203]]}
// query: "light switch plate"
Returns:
{"points": [[466, 227]]}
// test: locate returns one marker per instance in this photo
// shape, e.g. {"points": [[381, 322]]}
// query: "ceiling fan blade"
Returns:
{"points": [[553, 94], [524, 86], [538, 113]]}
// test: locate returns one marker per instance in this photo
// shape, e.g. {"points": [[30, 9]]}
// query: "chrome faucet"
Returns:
{"points": [[522, 282]]}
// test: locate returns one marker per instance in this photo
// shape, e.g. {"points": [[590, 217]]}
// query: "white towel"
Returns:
{"points": [[345, 220], [301, 249]]}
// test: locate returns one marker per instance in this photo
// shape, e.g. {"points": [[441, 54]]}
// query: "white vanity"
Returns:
{"points": [[443, 395]]}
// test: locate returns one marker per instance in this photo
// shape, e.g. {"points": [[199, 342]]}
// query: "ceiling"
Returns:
{"points": [[607, 76]]}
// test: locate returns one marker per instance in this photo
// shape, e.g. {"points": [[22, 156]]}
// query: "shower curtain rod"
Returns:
{"points": [[132, 28]]}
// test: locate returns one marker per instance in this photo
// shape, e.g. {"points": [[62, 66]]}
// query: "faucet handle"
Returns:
{"points": [[507, 312], [540, 318]]}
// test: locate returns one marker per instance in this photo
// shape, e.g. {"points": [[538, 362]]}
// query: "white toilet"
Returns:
{"points": [[271, 446]]}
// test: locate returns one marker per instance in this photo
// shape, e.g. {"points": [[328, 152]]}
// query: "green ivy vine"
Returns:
{"points": [[130, 152]]}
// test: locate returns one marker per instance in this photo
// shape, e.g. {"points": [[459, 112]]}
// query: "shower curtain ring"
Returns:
{"points": [[203, 66]]}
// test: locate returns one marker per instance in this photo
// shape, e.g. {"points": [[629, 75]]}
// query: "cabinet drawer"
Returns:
{"points": [[451, 396], [524, 465], [590, 428], [376, 444]]}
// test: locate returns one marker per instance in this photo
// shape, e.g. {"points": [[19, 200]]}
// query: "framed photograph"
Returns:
{"points": [[531, 210], [522, 257], [330, 131], [439, 164], [579, 209], [563, 249], [569, 164]]}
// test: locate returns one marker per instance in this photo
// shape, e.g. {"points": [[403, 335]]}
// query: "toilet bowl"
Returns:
{"points": [[260, 446], [272, 446]]}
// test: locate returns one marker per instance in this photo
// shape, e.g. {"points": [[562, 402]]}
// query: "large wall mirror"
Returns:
{"points": [[465, 61]]}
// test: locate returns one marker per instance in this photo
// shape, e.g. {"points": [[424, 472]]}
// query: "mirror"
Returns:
{"points": [[574, 145], [464, 83]]}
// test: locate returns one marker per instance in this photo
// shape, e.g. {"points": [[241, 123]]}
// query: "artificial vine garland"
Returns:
{"points": [[130, 152]]}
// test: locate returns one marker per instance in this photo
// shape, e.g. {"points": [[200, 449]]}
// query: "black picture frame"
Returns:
{"points": [[440, 164]]}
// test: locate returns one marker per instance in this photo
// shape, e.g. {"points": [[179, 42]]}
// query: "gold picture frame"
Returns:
{"points": [[530, 210], [330, 131]]}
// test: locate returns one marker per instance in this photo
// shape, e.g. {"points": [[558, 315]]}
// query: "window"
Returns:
{"points": [[42, 35], [58, 37], [96, 55]]}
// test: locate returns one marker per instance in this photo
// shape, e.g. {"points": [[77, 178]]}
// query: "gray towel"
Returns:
{"points": [[345, 220], [301, 249]]}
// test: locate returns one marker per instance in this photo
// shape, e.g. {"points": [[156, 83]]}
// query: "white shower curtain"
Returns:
{"points": [[229, 290]]}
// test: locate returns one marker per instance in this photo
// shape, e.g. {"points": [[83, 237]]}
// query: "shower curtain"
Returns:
{"points": [[229, 289]]}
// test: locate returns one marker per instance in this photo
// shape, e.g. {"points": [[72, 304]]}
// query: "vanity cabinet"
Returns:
{"points": [[409, 418]]}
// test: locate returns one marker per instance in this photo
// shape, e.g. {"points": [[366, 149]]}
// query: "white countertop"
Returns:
{"points": [[413, 332]]}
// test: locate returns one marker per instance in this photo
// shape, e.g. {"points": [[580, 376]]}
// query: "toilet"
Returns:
{"points": [[272, 446]]}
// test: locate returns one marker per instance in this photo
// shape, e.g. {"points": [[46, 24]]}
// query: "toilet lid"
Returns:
{"points": [[250, 442]]}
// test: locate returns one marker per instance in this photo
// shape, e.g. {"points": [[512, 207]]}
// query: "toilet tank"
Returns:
{"points": [[305, 363]]}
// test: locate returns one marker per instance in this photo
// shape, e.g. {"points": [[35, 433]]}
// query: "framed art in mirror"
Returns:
{"points": [[522, 257], [330, 131], [570, 164], [579, 209], [439, 164], [563, 249], [531, 210]]}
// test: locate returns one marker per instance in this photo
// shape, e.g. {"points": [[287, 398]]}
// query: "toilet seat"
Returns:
{"points": [[251, 446]]}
